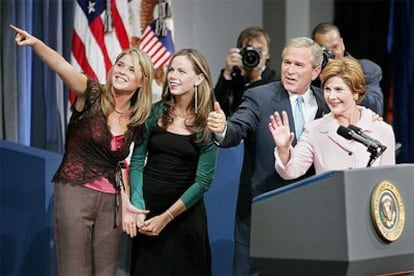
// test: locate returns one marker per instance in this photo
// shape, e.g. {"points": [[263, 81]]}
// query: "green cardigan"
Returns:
{"points": [[204, 174]]}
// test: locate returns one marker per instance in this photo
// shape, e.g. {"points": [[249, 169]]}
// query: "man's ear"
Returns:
{"points": [[316, 71]]}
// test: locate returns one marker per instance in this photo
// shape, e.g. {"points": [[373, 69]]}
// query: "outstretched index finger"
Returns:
{"points": [[17, 30]]}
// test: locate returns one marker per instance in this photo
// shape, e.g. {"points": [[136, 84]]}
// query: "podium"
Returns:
{"points": [[352, 222], [26, 213]]}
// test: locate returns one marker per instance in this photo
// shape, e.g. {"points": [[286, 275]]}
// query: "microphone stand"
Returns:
{"points": [[375, 153]]}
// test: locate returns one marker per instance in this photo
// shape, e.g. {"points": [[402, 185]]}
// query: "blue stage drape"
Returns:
{"points": [[401, 44], [15, 72], [46, 121], [34, 103]]}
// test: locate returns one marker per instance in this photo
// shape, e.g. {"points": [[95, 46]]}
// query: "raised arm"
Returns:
{"points": [[76, 81]]}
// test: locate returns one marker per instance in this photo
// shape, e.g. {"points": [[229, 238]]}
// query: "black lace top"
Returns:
{"points": [[88, 155]]}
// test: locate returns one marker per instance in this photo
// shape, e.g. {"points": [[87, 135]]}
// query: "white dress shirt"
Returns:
{"points": [[310, 106]]}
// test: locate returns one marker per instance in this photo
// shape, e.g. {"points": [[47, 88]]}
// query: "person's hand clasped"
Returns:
{"points": [[154, 225], [130, 215], [279, 128], [216, 121]]}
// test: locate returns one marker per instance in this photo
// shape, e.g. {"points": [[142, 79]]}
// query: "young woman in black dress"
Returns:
{"points": [[180, 161]]}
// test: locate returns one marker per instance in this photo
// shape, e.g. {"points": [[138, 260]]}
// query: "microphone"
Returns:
{"points": [[374, 147], [360, 132]]}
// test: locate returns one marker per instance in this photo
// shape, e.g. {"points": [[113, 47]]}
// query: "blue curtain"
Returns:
{"points": [[45, 114], [15, 74], [34, 102], [401, 44]]}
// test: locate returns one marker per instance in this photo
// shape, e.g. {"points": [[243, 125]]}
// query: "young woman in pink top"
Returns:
{"points": [[105, 120]]}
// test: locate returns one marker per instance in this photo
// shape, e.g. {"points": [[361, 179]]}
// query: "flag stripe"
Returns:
{"points": [[97, 29], [92, 54], [154, 47], [155, 53], [80, 56], [149, 39], [162, 60], [119, 25]]}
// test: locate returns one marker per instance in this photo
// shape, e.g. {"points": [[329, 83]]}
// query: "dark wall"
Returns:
{"points": [[364, 28]]}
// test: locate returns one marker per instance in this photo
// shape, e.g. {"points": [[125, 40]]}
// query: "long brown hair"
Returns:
{"points": [[205, 96]]}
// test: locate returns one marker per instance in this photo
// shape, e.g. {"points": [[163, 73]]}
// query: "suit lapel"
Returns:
{"points": [[322, 107]]}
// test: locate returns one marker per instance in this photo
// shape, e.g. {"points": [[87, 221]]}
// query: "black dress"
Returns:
{"points": [[182, 247]]}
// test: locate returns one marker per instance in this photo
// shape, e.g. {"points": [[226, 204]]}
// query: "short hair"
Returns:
{"points": [[306, 42], [350, 71], [324, 28], [253, 32]]}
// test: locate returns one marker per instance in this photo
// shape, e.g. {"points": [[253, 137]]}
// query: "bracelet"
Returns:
{"points": [[171, 215]]}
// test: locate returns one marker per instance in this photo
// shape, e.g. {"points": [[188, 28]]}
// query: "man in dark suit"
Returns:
{"points": [[301, 64], [236, 77], [328, 35]]}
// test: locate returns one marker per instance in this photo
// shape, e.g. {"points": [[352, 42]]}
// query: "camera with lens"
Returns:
{"points": [[250, 56], [327, 55]]}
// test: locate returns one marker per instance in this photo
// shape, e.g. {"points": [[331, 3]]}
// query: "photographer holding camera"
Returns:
{"points": [[328, 36], [246, 67]]}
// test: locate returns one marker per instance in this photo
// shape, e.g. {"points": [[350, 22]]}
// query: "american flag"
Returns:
{"points": [[104, 28], [159, 47], [100, 33], [157, 38]]}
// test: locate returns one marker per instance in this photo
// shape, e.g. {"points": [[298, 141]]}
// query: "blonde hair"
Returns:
{"points": [[141, 100], [205, 95], [350, 71]]}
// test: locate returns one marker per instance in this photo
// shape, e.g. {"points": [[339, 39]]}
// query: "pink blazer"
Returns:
{"points": [[322, 146]]}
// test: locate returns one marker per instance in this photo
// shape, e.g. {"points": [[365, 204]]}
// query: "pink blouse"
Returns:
{"points": [[103, 184]]}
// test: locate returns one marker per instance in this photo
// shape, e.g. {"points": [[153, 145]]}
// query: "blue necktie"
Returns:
{"points": [[299, 118]]}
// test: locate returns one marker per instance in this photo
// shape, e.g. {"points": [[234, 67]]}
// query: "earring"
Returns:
{"points": [[196, 98]]}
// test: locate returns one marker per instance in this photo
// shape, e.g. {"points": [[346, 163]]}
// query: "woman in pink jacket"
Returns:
{"points": [[343, 85]]}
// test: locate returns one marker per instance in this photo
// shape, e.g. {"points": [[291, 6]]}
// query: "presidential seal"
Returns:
{"points": [[387, 211]]}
